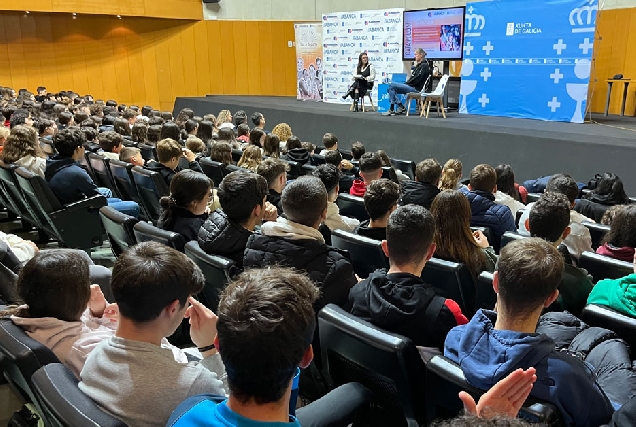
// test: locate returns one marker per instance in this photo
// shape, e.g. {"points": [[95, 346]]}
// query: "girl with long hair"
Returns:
{"points": [[620, 241], [451, 175], [251, 158], [507, 191], [363, 80], [22, 147], [271, 146]]}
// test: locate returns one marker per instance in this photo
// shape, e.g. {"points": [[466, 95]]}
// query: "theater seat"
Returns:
{"points": [[406, 166], [212, 169], [485, 296], [452, 280], [63, 403], [444, 381], [308, 169], [145, 232], [387, 364], [352, 206], [295, 169], [317, 159], [148, 152], [151, 187], [509, 236], [597, 232], [605, 317], [8, 291], [15, 196], [119, 228], [236, 155], [390, 174], [366, 254], [533, 197], [99, 165], [217, 270], [602, 267]]}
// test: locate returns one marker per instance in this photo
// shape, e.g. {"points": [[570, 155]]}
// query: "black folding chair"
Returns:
{"points": [[119, 228], [217, 270], [602, 267], [605, 317], [151, 187], [452, 280], [366, 254], [352, 206], [145, 232]]}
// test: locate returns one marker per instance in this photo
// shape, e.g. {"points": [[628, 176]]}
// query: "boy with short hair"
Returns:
{"points": [[370, 170], [330, 141], [132, 155], [380, 200], [357, 150], [424, 189], [275, 173], [330, 177], [168, 154], [111, 143]]}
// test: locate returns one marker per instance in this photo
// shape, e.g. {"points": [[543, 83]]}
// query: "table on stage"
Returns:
{"points": [[610, 83]]}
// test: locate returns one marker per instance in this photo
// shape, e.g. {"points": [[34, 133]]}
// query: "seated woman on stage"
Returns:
{"points": [[363, 80]]}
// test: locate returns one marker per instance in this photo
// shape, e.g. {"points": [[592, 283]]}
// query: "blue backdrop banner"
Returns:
{"points": [[528, 59]]}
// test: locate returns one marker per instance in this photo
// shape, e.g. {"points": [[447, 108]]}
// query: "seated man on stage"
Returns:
{"points": [[420, 73]]}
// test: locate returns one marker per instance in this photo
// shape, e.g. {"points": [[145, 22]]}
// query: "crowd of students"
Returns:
{"points": [[277, 233]]}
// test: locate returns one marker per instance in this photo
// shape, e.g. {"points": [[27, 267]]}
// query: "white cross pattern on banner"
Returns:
{"points": [[483, 100], [468, 48], [486, 74], [488, 48], [470, 9], [554, 104], [586, 46], [559, 46], [556, 76]]}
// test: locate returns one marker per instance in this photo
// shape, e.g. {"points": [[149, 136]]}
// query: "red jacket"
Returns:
{"points": [[359, 188], [624, 254]]}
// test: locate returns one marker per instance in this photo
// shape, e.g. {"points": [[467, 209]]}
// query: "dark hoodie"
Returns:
{"points": [[402, 303], [220, 236], [376, 233], [68, 180], [299, 155], [487, 355], [168, 173], [418, 193]]}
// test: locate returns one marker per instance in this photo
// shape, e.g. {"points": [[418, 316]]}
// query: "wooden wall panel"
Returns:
{"points": [[146, 61]]}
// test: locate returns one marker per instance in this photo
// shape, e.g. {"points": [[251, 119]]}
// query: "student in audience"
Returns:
{"points": [[185, 210], [153, 286], [609, 191], [140, 133], [227, 135], [257, 138], [205, 131], [122, 127], [455, 240], [46, 129], [610, 213], [65, 120], [131, 116], [295, 242], [330, 141], [275, 173], [183, 116], [267, 315], [240, 117], [243, 200], [4, 134], [112, 143], [507, 193], [224, 120], [259, 120], [423, 190], [170, 130], [271, 146], [168, 154], [617, 294], [296, 152], [357, 150], [398, 300], [311, 148], [485, 212], [395, 174], [21, 117], [22, 148], [620, 241], [283, 131], [69, 181], [243, 132], [154, 134], [549, 219], [132, 155], [197, 146], [251, 158], [494, 344], [380, 200], [221, 152], [370, 170], [330, 177], [349, 171], [190, 128]]}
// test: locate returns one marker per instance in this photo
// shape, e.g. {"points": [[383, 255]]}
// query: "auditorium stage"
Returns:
{"points": [[532, 147]]}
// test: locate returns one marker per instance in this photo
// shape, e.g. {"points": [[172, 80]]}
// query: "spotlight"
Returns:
{"points": [[74, 15], [118, 16]]}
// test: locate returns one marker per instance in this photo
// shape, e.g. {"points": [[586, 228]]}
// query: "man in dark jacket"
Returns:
{"points": [[225, 232], [380, 200], [275, 173], [419, 75], [169, 152], [296, 242], [398, 300], [485, 212], [424, 189]]}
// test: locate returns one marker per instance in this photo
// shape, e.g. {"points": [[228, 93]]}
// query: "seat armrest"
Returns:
{"points": [[94, 202]]}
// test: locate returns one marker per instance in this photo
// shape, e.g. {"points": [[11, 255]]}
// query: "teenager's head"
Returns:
{"points": [[622, 232], [370, 167], [240, 117], [271, 146], [189, 190], [608, 216], [69, 142], [451, 174], [282, 131], [132, 155], [381, 198], [140, 132], [333, 157], [191, 126], [22, 141], [55, 283], [154, 134], [111, 142], [257, 137], [221, 152], [293, 143], [243, 130], [170, 130], [483, 178], [563, 184], [265, 315], [242, 196], [80, 117], [330, 177], [428, 171], [409, 236], [183, 116], [122, 127], [46, 127], [195, 145], [550, 217], [610, 189], [225, 116], [275, 173], [146, 110], [168, 152], [251, 158], [330, 141], [226, 134], [311, 148], [258, 119], [506, 181], [357, 150], [304, 201], [528, 274]]}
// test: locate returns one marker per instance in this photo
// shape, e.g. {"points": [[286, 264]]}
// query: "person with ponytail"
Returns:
{"points": [[186, 208], [451, 174]]}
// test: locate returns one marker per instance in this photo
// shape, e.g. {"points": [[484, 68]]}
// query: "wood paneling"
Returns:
{"points": [[146, 61]]}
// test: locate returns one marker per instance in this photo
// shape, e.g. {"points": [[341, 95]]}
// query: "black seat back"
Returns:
{"points": [[234, 168], [509, 236], [597, 232], [217, 270], [13, 192], [444, 381], [605, 317], [387, 364], [145, 232], [308, 169], [406, 166], [63, 403], [8, 291], [148, 152], [213, 170], [99, 164], [317, 159], [485, 296], [352, 206], [121, 173], [151, 188], [366, 254], [603, 267], [533, 197], [119, 228], [451, 280], [389, 173], [236, 155], [295, 169]]}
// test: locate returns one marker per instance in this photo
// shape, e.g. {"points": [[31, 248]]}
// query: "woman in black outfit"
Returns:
{"points": [[363, 80]]}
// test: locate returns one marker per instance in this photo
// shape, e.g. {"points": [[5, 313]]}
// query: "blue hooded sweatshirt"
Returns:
{"points": [[486, 355]]}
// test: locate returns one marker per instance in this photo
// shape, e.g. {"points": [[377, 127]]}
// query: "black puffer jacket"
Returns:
{"points": [[418, 193], [220, 236]]}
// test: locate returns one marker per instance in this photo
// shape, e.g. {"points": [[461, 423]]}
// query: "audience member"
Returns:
{"points": [[617, 294], [4, 134], [153, 286], [243, 200], [259, 120], [205, 131], [185, 210], [330, 141], [271, 146], [197, 146], [494, 344], [22, 117], [283, 131], [240, 117], [251, 158], [330, 177], [380, 200], [132, 155], [122, 127], [46, 129], [295, 242], [168, 154], [485, 212], [398, 300], [423, 190], [221, 152], [243, 132], [370, 170], [224, 120], [395, 174], [609, 191], [349, 171], [22, 148], [227, 135], [610, 213], [455, 240], [311, 148], [170, 130], [112, 143], [275, 173], [507, 193], [357, 150], [257, 138], [183, 116], [296, 152], [620, 241], [154, 134]]}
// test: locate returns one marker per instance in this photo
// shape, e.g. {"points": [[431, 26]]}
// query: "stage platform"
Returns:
{"points": [[532, 147]]}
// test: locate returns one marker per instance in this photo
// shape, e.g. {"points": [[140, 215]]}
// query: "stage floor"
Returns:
{"points": [[532, 147]]}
